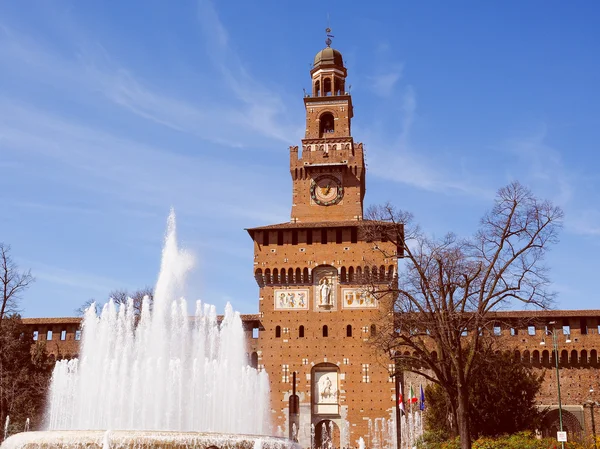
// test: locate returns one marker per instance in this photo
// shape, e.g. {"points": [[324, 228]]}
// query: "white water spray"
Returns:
{"points": [[6, 424], [167, 371]]}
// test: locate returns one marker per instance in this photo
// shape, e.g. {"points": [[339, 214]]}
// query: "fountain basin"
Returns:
{"points": [[141, 439]]}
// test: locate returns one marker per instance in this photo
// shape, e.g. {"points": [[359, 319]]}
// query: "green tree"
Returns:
{"points": [[25, 371], [501, 398]]}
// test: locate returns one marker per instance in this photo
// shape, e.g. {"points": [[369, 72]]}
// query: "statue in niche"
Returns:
{"points": [[327, 391], [325, 292]]}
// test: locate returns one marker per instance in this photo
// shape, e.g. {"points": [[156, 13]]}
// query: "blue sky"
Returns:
{"points": [[113, 112]]}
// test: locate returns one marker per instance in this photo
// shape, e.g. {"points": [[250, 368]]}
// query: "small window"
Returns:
{"points": [[497, 331], [36, 335], [464, 333], [255, 332], [583, 326], [365, 372], [49, 335], [294, 237], [63, 335], [301, 332], [349, 330], [77, 335], [338, 236], [567, 330], [373, 330], [530, 330], [278, 332], [254, 360], [325, 331], [323, 236], [309, 237], [354, 235], [514, 331]]}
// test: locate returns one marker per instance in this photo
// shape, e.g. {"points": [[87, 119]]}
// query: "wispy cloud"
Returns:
{"points": [[585, 222], [383, 84], [128, 171], [400, 161], [246, 112], [264, 109], [541, 165]]}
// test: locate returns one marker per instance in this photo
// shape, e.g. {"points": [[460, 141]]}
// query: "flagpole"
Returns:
{"points": [[398, 386]]}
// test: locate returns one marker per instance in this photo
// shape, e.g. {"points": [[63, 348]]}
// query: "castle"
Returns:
{"points": [[314, 321]]}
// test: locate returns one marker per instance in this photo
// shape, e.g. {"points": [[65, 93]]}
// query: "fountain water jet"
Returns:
{"points": [[160, 371]]}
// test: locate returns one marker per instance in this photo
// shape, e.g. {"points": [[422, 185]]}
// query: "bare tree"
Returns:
{"points": [[80, 311], [12, 282], [449, 286], [120, 296]]}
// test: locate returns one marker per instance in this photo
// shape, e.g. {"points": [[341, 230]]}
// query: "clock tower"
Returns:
{"points": [[329, 175], [321, 283]]}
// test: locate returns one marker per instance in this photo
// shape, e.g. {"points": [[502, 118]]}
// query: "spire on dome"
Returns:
{"points": [[329, 36]]}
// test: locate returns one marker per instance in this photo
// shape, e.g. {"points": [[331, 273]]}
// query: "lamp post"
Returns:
{"points": [[591, 404], [555, 350]]}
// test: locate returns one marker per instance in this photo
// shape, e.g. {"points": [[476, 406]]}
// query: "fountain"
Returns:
{"points": [[140, 378]]}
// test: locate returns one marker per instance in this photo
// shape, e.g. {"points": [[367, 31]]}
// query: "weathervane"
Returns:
{"points": [[329, 36]]}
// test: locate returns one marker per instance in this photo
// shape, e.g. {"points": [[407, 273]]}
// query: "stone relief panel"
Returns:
{"points": [[326, 392], [294, 299], [325, 289], [358, 298]]}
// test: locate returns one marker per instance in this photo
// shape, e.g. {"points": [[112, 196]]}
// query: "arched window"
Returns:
{"points": [[305, 276], [350, 274], [290, 277], [564, 357], [391, 273], [545, 358], [373, 330], [349, 330], [536, 357], [574, 358], [254, 360], [343, 275], [298, 279], [267, 276], [526, 357], [327, 87], [593, 357], [326, 124], [301, 332], [317, 89], [275, 276], [278, 332], [584, 357], [325, 331]]}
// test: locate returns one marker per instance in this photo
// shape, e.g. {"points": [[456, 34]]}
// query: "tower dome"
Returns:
{"points": [[328, 56]]}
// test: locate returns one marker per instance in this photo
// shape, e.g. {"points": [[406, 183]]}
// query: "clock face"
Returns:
{"points": [[326, 190]]}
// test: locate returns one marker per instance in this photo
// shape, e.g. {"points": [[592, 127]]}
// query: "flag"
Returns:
{"points": [[411, 396], [400, 398], [422, 394]]}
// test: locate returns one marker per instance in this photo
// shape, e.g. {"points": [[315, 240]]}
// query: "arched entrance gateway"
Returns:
{"points": [[571, 424], [327, 435], [325, 406]]}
